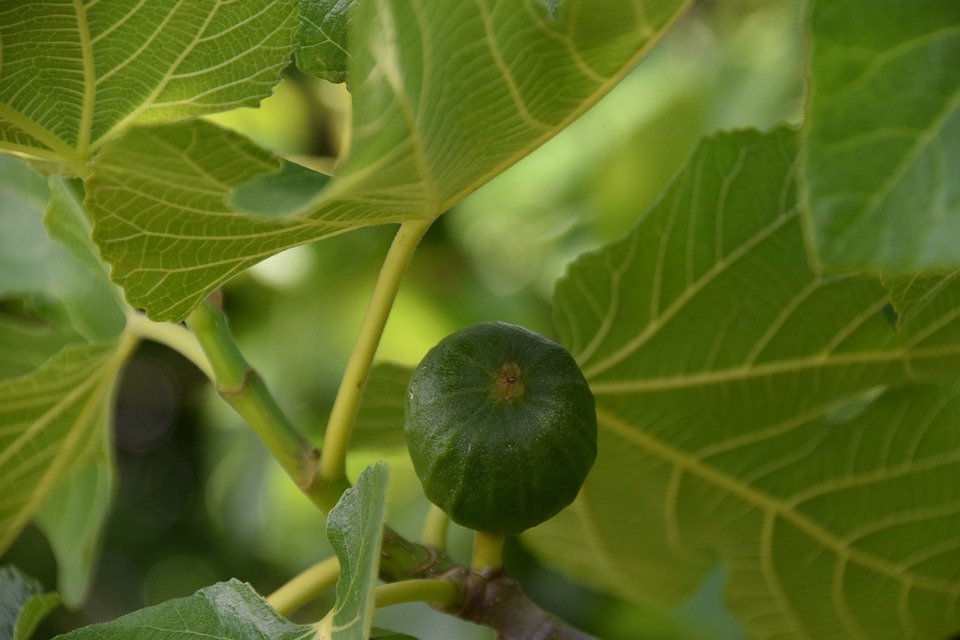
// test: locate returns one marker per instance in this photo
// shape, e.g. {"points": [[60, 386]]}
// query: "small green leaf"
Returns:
{"points": [[759, 414], [354, 528], [225, 611], [119, 63], [52, 421], [23, 604], [73, 518], [882, 152], [445, 97], [324, 38], [379, 423]]}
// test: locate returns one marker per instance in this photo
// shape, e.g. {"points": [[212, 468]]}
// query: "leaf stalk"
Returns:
{"points": [[340, 425]]}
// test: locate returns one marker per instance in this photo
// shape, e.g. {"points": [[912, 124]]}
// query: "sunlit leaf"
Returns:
{"points": [[52, 421], [23, 604], [224, 611], [882, 168], [354, 528], [74, 515], [756, 414], [324, 38], [446, 96], [100, 66]]}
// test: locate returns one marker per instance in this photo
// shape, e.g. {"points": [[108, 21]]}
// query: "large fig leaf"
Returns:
{"points": [[790, 426], [446, 95]]}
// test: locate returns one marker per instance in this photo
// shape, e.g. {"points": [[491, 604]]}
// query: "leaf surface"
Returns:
{"points": [[759, 415], [26, 345], [446, 95], [122, 62], [224, 611], [47, 257], [882, 152], [324, 38], [23, 604], [354, 528], [73, 518], [51, 421], [54, 410]]}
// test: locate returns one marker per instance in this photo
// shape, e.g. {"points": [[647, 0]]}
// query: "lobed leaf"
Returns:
{"points": [[760, 415], [354, 528], [445, 97], [882, 143], [23, 604], [124, 62], [225, 611]]}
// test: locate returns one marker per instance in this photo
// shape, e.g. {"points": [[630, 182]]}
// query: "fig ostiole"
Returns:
{"points": [[501, 427]]}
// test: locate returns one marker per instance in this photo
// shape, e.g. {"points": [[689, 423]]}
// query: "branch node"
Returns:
{"points": [[250, 378]]}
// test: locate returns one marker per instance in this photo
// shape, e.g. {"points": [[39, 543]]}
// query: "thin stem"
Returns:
{"points": [[440, 592], [487, 552], [243, 389], [435, 528], [337, 436], [305, 586], [171, 335]]}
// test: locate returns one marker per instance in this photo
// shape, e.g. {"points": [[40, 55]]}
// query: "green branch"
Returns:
{"points": [[441, 592], [336, 438], [245, 391]]}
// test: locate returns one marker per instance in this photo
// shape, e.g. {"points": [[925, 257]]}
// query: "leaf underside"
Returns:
{"points": [[882, 145], [124, 62], [51, 420], [756, 414], [445, 97], [324, 38]]}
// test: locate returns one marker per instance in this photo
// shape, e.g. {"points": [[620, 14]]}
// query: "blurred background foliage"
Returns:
{"points": [[201, 501]]}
